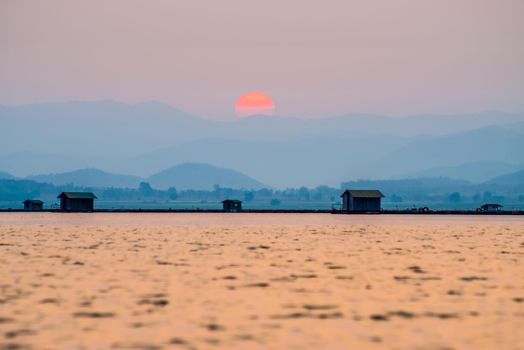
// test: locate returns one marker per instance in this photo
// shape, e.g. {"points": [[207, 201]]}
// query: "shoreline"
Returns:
{"points": [[279, 211]]}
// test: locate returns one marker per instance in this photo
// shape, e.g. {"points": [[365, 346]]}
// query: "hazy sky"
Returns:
{"points": [[314, 58]]}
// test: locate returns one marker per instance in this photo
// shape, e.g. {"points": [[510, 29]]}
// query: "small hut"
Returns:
{"points": [[33, 205], [77, 201], [361, 200], [491, 208], [232, 205]]}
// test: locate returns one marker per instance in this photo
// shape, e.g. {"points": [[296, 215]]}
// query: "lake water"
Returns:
{"points": [[283, 281]]}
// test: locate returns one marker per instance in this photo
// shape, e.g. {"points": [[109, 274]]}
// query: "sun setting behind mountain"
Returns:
{"points": [[254, 103]]}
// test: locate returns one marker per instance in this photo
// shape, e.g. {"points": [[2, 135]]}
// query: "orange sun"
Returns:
{"points": [[255, 103]]}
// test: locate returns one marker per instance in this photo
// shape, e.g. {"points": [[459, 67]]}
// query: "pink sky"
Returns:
{"points": [[314, 58]]}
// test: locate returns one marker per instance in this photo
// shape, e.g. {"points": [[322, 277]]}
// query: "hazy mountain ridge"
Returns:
{"points": [[477, 172], [513, 179], [200, 176], [90, 177], [145, 138], [308, 162], [119, 129], [316, 161], [489, 143], [181, 176], [6, 176]]}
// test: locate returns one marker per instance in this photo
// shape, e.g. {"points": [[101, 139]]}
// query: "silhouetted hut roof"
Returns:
{"points": [[231, 201], [77, 195], [363, 193], [492, 205]]}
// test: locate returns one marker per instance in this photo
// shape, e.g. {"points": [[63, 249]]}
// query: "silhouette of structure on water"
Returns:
{"points": [[33, 205], [490, 208], [354, 202], [77, 201], [361, 200], [232, 205]]}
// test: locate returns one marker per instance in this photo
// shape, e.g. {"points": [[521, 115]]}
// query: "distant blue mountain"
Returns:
{"points": [[6, 175], [144, 138], [479, 171], [89, 178], [70, 128], [182, 176], [514, 179], [201, 177], [494, 143]]}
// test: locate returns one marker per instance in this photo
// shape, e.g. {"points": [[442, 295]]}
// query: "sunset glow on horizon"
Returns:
{"points": [[254, 103], [395, 58]]}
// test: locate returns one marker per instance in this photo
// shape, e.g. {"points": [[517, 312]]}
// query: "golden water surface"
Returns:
{"points": [[263, 281]]}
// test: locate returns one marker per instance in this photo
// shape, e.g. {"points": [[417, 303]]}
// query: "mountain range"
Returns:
{"points": [[145, 138], [6, 176], [515, 179], [183, 177], [194, 176], [476, 172]]}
